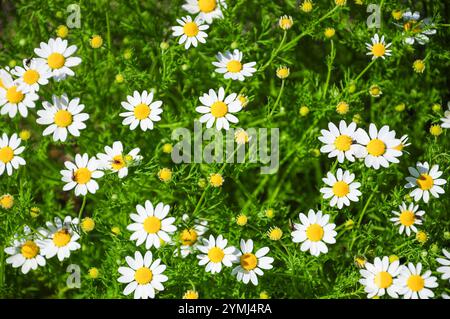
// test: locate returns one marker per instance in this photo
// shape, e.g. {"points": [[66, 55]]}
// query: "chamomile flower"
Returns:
{"points": [[10, 150], [63, 116], [230, 64], [207, 9], [215, 253], [81, 175], [407, 218], [218, 108], [378, 48], [314, 232], [378, 278], [339, 141], [141, 110], [415, 285], [190, 32], [151, 225], [190, 237], [143, 276], [33, 74], [116, 160], [445, 262], [403, 143], [416, 30], [378, 147], [425, 181], [342, 190], [251, 264], [13, 98], [57, 55], [446, 119]]}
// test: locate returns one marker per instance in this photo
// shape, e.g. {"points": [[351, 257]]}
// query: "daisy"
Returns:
{"points": [[152, 225], [378, 148], [231, 66], [313, 232], [191, 237], [81, 174], [425, 181], [141, 110], [215, 253], [207, 9], [57, 56], [251, 264], [416, 29], [407, 218], [62, 116], [446, 120], [218, 108], [342, 190], [378, 278], [414, 285], [445, 262], [115, 160], [33, 74], [403, 143], [378, 48], [12, 98], [191, 32], [9, 153], [339, 142], [143, 276], [61, 238]]}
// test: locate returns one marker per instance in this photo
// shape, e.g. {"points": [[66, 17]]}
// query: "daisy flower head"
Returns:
{"points": [[116, 160], [403, 143], [190, 32], [314, 232], [33, 74], [63, 116], [207, 9], [378, 148], [143, 276], [378, 48], [218, 108], [215, 253], [251, 264], [141, 110], [446, 119], [413, 284], [57, 55], [190, 237], [416, 30], [445, 262], [425, 181], [407, 218], [230, 64], [285, 22], [342, 188], [81, 175], [10, 150], [13, 98], [151, 225], [379, 277], [339, 141]]}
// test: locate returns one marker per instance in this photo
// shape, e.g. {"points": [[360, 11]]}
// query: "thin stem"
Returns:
{"points": [[365, 70], [278, 98], [80, 213], [330, 67], [274, 53]]}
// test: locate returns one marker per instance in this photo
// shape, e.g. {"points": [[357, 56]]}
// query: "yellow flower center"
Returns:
{"points": [[29, 249], [283, 72], [63, 118], [207, 6], [61, 238], [378, 49], [141, 111], [143, 276], [118, 162], [234, 66], [13, 96], [399, 147], [6, 201], [425, 182], [190, 294], [152, 224], [314, 232], [416, 283], [56, 60], [31, 77], [249, 261], [6, 154], [219, 109], [340, 189], [82, 175], [216, 180], [407, 218], [376, 147], [216, 254], [188, 237], [343, 142], [383, 279], [191, 29]]}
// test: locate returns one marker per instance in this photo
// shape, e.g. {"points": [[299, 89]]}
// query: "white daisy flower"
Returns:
{"points": [[416, 29], [141, 110], [403, 143], [339, 142], [33, 74], [207, 9], [10, 150], [12, 98], [231, 66], [61, 238], [58, 57], [445, 268], [115, 160], [425, 181], [342, 190], [143, 276], [191, 32], [407, 218], [62, 116], [446, 119], [191, 237], [378, 278], [215, 253], [378, 148], [414, 285], [151, 225], [218, 108], [251, 264], [313, 232], [81, 175], [378, 48]]}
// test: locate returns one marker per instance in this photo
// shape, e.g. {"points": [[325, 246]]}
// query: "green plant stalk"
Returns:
{"points": [[280, 93], [330, 67]]}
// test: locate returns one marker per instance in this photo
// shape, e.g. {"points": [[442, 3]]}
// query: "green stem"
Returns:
{"points": [[365, 70], [330, 67], [80, 213], [274, 53], [278, 98]]}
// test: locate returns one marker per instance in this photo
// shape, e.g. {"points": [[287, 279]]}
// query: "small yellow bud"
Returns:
{"points": [[264, 295], [419, 66], [421, 237], [6, 201], [275, 233], [342, 108], [25, 135], [167, 148], [34, 212], [400, 107], [87, 224], [96, 41], [270, 213], [375, 90], [115, 230], [304, 110], [119, 78], [165, 174], [93, 273], [397, 14], [62, 31], [436, 130], [285, 22], [283, 72], [241, 220], [436, 107], [216, 180], [164, 45], [190, 294], [329, 32], [340, 3], [306, 6]]}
